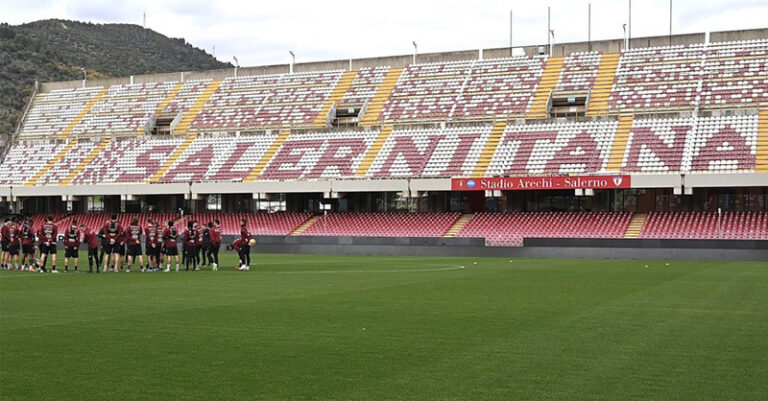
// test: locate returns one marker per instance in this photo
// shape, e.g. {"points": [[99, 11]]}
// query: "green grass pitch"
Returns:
{"points": [[306, 327]]}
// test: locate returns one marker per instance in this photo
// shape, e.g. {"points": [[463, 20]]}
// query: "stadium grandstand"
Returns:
{"points": [[666, 139]]}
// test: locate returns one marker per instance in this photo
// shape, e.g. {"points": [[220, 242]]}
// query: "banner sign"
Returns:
{"points": [[534, 183]]}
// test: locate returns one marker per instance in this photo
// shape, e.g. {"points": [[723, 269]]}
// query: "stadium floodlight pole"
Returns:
{"points": [[293, 61], [85, 75], [589, 26], [549, 29], [552, 48], [415, 51], [624, 27], [237, 65], [510, 33], [670, 22], [629, 33]]}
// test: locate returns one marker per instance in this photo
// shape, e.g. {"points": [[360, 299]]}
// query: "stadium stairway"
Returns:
{"points": [[172, 95], [490, 148], [171, 160], [636, 225], [458, 225], [85, 162], [761, 160], [547, 83], [342, 86], [619, 147], [373, 151], [41, 173], [376, 104], [67, 131], [304, 226], [601, 90], [268, 155], [189, 116]]}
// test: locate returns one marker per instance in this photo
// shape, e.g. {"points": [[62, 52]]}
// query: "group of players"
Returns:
{"points": [[117, 248]]}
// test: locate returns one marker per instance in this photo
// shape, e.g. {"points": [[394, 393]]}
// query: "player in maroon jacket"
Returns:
{"points": [[152, 246], [113, 233], [71, 245], [189, 246], [47, 235], [91, 239], [246, 247], [214, 232], [27, 246], [13, 249], [133, 242], [170, 243], [239, 246], [5, 241]]}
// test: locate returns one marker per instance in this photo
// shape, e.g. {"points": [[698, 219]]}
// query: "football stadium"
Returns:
{"points": [[568, 220]]}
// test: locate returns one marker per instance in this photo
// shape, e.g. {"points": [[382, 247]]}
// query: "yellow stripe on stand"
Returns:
{"points": [[68, 131], [547, 83], [619, 147], [601, 90], [262, 164], [48, 166], [376, 105], [490, 148], [189, 116], [85, 162], [373, 151], [172, 158], [342, 86]]}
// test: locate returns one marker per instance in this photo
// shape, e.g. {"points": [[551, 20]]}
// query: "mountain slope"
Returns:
{"points": [[56, 50]]}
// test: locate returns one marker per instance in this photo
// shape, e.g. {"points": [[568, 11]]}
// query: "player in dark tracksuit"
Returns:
{"points": [[113, 233], [13, 250], [27, 246], [71, 246], [152, 246], [246, 248], [170, 244], [239, 246], [133, 242], [91, 240], [47, 235], [215, 233], [205, 234], [190, 248], [5, 240]]}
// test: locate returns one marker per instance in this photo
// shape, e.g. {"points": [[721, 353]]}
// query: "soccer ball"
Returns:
{"points": [[252, 242]]}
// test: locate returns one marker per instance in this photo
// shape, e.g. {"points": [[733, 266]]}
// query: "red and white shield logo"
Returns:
{"points": [[617, 181]]}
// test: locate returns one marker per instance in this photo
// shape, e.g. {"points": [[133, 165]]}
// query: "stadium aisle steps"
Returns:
{"points": [[167, 164], [619, 147], [270, 153], [168, 99], [194, 110], [376, 104], [490, 148], [761, 161], [636, 225], [67, 131], [374, 150], [88, 159], [336, 95], [304, 226], [458, 225], [32, 181], [601, 92], [547, 83]]}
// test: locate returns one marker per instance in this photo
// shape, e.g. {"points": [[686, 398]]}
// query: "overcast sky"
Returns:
{"points": [[262, 32]]}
